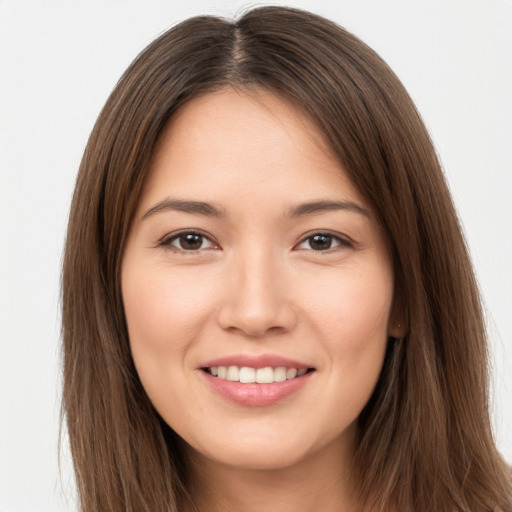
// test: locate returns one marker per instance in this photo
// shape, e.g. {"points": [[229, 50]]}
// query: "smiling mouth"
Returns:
{"points": [[248, 375]]}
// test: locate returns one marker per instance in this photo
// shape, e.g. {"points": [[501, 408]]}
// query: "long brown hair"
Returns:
{"points": [[425, 440]]}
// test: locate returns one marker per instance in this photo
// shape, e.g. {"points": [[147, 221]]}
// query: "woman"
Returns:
{"points": [[267, 299]]}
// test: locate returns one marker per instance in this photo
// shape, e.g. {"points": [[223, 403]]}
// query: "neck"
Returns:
{"points": [[323, 482]]}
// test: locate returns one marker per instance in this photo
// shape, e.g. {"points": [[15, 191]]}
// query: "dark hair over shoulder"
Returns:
{"points": [[425, 439]]}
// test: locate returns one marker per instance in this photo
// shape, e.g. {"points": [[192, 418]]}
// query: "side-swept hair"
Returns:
{"points": [[425, 440]]}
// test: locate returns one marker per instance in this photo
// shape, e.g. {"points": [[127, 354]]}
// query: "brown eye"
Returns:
{"points": [[189, 242], [322, 242]]}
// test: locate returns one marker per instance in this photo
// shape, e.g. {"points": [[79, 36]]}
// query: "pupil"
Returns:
{"points": [[191, 241], [320, 242]]}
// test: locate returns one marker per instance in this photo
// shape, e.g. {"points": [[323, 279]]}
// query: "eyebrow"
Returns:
{"points": [[194, 207], [208, 210], [326, 206]]}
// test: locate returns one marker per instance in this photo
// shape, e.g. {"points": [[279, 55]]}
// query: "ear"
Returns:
{"points": [[398, 318]]}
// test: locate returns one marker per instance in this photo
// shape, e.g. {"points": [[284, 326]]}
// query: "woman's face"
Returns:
{"points": [[251, 260]]}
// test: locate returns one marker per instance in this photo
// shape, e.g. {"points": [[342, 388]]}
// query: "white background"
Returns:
{"points": [[58, 63]]}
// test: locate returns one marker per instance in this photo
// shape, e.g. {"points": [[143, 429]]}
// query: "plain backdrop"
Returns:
{"points": [[58, 63]]}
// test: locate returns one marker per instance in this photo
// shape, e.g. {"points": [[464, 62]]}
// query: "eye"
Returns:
{"points": [[322, 242], [189, 241]]}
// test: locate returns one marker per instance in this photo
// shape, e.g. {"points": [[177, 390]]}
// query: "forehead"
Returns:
{"points": [[254, 144]]}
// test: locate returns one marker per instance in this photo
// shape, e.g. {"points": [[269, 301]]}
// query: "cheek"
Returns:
{"points": [[354, 307], [164, 314], [163, 311], [351, 320]]}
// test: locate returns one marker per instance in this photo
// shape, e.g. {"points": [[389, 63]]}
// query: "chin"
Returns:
{"points": [[256, 457], [266, 450]]}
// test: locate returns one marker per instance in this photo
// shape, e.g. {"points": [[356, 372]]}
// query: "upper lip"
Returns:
{"points": [[256, 361]]}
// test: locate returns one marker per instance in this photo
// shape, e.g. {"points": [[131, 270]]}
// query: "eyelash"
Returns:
{"points": [[339, 240], [166, 242]]}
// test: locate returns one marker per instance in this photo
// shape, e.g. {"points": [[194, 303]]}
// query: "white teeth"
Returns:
{"points": [[280, 374], [291, 373], [265, 375], [248, 375], [233, 373]]}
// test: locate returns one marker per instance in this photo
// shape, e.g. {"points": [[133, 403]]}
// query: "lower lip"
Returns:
{"points": [[256, 394]]}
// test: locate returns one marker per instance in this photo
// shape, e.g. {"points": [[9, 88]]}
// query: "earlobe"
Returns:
{"points": [[397, 330], [398, 322]]}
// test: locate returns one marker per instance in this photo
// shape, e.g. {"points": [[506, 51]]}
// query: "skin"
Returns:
{"points": [[256, 286]]}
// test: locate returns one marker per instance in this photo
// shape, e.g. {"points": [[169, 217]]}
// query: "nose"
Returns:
{"points": [[257, 300]]}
